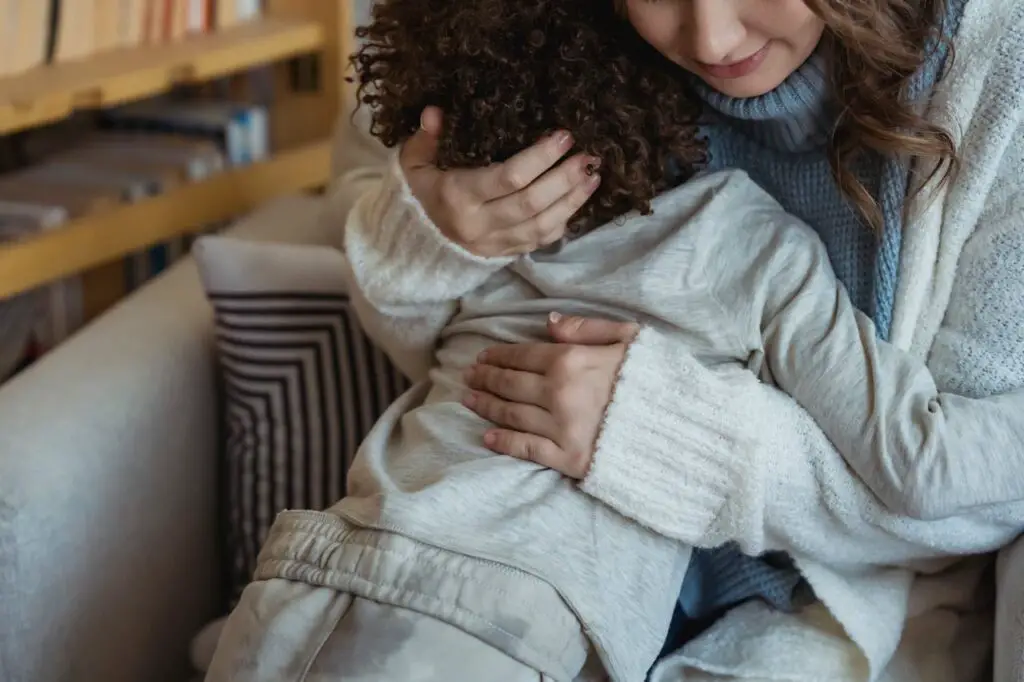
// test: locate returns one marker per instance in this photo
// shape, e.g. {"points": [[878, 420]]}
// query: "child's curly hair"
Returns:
{"points": [[508, 72]]}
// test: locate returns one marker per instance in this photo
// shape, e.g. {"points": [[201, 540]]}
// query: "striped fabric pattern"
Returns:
{"points": [[302, 387]]}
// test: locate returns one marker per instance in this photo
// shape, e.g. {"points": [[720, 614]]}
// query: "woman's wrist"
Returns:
{"points": [[401, 253], [674, 446]]}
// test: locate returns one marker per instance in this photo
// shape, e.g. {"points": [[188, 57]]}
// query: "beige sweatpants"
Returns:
{"points": [[284, 631]]}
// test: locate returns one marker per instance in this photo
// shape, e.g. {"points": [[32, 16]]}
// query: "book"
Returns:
{"points": [[24, 34], [240, 130], [106, 25], [196, 159], [155, 164], [131, 23], [200, 16], [18, 314], [57, 306], [74, 41], [234, 12], [8, 36]]}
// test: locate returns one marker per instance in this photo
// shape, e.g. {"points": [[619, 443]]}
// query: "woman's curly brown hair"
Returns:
{"points": [[508, 72]]}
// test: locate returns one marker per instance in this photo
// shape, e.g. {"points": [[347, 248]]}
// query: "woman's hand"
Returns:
{"points": [[506, 209], [549, 399]]}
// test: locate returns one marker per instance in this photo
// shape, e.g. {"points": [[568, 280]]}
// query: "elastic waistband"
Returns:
{"points": [[509, 609]]}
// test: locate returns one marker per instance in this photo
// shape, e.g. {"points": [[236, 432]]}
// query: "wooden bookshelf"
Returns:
{"points": [[51, 93], [110, 235], [303, 115]]}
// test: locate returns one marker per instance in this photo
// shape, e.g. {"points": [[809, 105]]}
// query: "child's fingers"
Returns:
{"points": [[590, 331], [528, 447]]}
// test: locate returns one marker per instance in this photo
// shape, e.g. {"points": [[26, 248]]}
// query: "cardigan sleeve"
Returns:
{"points": [[742, 461], [403, 275]]}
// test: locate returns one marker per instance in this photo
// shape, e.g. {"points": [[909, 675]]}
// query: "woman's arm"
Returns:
{"points": [[404, 276], [419, 238], [732, 459]]}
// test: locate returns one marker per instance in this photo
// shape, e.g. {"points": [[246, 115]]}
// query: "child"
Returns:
{"points": [[446, 562]]}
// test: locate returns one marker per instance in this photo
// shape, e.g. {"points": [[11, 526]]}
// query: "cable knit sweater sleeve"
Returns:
{"points": [[733, 459], [404, 276]]}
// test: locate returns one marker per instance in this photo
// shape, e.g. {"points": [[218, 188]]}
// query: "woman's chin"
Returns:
{"points": [[743, 88], [769, 74]]}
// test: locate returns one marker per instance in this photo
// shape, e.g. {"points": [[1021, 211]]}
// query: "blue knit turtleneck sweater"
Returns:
{"points": [[781, 140]]}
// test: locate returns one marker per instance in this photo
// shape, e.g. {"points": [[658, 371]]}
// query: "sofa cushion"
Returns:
{"points": [[302, 384]]}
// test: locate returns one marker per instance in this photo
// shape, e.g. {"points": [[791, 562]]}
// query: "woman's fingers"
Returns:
{"points": [[536, 358], [420, 150], [508, 415], [516, 386], [506, 209], [552, 186], [521, 170], [550, 225]]}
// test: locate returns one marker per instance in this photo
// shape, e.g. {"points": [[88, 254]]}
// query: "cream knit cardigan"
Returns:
{"points": [[752, 467]]}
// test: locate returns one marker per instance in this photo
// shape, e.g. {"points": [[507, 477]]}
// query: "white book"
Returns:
{"points": [[61, 302], [249, 9]]}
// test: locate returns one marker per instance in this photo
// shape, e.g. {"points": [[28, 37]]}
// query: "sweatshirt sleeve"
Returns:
{"points": [[924, 452], [875, 449], [404, 277]]}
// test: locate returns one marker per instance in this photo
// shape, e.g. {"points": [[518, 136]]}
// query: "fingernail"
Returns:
{"points": [[593, 181], [490, 439], [468, 374], [563, 139], [482, 357], [423, 119], [469, 400], [555, 318]]}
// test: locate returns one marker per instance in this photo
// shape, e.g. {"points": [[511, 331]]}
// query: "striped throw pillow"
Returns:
{"points": [[302, 385]]}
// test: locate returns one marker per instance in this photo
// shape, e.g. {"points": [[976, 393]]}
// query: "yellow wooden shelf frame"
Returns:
{"points": [[51, 93], [107, 236]]}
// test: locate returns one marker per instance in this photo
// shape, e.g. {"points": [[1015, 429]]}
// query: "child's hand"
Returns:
{"points": [[506, 209], [548, 400]]}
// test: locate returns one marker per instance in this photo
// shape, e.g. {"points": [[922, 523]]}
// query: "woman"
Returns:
{"points": [[758, 62], [772, 116]]}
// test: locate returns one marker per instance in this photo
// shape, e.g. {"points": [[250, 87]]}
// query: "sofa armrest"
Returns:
{"points": [[108, 514], [109, 468]]}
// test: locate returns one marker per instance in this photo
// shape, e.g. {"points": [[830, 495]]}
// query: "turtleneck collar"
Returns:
{"points": [[794, 117]]}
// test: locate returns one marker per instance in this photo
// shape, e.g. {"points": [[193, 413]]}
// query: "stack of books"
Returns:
{"points": [[137, 151], [38, 32]]}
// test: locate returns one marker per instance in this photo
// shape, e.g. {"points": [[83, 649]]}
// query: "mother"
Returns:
{"points": [[841, 109]]}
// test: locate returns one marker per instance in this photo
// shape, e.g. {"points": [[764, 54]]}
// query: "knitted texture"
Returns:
{"points": [[780, 139]]}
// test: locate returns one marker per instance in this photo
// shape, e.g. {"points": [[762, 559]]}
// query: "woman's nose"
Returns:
{"points": [[716, 31]]}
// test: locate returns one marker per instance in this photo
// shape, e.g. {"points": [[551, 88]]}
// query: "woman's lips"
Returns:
{"points": [[739, 69]]}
